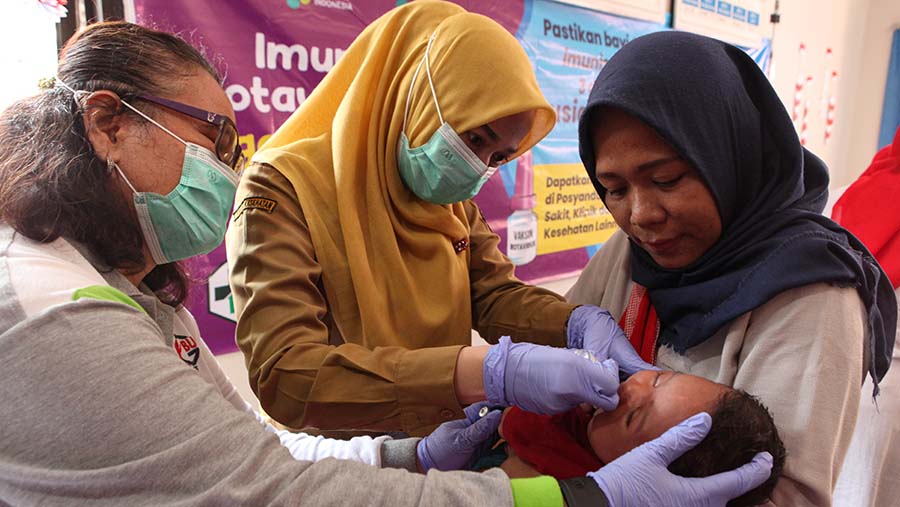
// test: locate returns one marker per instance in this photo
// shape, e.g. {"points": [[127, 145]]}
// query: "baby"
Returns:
{"points": [[650, 402]]}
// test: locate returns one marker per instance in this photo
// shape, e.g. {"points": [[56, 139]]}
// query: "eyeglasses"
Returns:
{"points": [[228, 146]]}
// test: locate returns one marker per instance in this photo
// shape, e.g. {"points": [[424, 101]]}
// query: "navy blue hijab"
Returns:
{"points": [[711, 102]]}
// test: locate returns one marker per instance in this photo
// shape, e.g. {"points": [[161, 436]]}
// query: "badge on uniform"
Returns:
{"points": [[187, 349]]}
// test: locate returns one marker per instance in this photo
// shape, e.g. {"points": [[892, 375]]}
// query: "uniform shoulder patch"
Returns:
{"points": [[255, 202]]}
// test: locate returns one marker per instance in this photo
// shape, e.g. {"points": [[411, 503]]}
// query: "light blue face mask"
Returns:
{"points": [[191, 219], [444, 170]]}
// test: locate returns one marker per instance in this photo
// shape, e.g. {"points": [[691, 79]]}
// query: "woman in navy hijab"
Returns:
{"points": [[724, 266]]}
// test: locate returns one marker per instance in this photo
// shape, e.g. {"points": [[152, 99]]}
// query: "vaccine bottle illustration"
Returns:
{"points": [[521, 226]]}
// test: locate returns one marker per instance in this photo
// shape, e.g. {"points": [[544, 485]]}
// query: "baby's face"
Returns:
{"points": [[650, 402]]}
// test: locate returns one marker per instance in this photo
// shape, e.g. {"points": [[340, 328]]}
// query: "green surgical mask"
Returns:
{"points": [[191, 219], [443, 170]]}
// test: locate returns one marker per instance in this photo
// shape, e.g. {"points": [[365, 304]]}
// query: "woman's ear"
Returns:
{"points": [[103, 119]]}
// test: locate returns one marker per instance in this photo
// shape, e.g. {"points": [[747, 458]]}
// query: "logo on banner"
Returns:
{"points": [[221, 302], [342, 5], [187, 349]]}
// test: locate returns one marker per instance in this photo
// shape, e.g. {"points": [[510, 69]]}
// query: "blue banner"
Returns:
{"points": [[568, 46]]}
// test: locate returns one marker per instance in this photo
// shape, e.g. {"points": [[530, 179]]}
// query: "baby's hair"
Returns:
{"points": [[741, 427]]}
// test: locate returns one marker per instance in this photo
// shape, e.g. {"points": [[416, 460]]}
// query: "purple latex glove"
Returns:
{"points": [[547, 380], [641, 477], [593, 328], [455, 445]]}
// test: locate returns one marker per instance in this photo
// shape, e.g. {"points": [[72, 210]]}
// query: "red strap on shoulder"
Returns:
{"points": [[640, 323]]}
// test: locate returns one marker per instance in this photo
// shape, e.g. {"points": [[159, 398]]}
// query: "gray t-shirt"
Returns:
{"points": [[98, 409]]}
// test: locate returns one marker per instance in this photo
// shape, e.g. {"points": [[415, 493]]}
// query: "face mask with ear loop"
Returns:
{"points": [[444, 170], [192, 218]]}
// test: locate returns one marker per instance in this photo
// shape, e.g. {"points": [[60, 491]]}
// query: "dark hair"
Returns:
{"points": [[741, 427], [53, 185]]}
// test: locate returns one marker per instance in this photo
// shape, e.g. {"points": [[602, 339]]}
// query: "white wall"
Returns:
{"points": [[859, 33], [870, 78], [819, 25], [28, 39]]}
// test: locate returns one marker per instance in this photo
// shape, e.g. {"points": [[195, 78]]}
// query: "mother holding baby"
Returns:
{"points": [[724, 267]]}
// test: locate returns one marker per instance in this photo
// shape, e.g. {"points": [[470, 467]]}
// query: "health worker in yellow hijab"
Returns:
{"points": [[359, 264]]}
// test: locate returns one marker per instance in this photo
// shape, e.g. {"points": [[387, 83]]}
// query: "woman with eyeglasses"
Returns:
{"points": [[124, 166]]}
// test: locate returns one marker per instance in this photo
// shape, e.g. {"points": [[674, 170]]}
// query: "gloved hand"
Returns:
{"points": [[455, 445], [641, 477], [547, 380], [593, 328]]}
